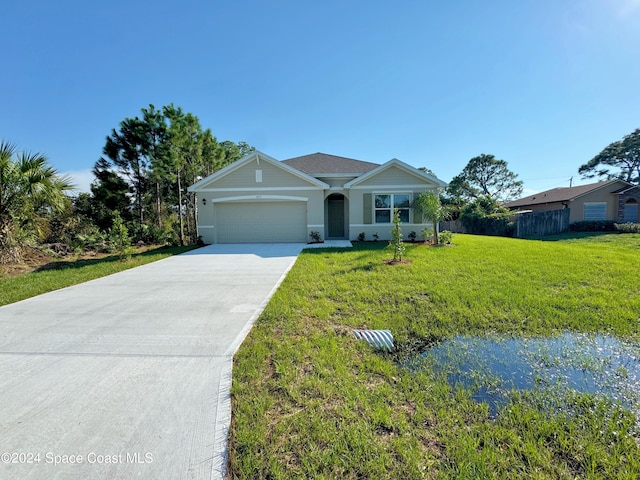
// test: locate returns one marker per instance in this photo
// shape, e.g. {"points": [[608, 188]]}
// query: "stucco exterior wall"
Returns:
{"points": [[601, 195]]}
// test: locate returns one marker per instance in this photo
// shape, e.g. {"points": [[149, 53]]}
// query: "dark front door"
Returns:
{"points": [[335, 214]]}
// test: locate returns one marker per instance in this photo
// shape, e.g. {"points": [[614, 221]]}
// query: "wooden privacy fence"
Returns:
{"points": [[539, 224], [454, 226], [527, 225]]}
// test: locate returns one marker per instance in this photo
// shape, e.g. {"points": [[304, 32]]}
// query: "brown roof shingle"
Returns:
{"points": [[323, 163], [561, 194]]}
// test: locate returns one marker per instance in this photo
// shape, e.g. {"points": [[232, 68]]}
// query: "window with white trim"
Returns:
{"points": [[595, 211], [385, 203], [630, 212]]}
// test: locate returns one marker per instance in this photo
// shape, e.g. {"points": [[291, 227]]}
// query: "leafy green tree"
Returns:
{"points": [[193, 154], [485, 216], [29, 189], [156, 149], [213, 155], [109, 193], [119, 238], [131, 152], [486, 176], [156, 157], [620, 160], [128, 149], [233, 151], [66, 225], [187, 161], [428, 171], [432, 210]]}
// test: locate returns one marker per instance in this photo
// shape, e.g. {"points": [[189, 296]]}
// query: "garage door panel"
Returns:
{"points": [[268, 222]]}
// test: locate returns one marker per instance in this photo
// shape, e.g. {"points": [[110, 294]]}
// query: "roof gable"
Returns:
{"points": [[257, 157], [419, 175], [563, 194], [323, 164]]}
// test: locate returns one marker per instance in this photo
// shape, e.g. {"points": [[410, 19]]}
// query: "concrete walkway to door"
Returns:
{"points": [[128, 376]]}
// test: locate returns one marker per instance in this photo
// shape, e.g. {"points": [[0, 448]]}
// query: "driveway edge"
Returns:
{"points": [[223, 413]]}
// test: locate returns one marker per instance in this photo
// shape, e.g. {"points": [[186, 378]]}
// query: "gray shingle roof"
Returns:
{"points": [[323, 163], [562, 194]]}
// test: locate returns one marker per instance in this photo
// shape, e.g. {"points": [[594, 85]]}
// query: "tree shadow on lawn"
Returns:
{"points": [[357, 247], [572, 236], [354, 263], [85, 262]]}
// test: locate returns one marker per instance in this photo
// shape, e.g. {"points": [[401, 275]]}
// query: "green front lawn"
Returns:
{"points": [[310, 401]]}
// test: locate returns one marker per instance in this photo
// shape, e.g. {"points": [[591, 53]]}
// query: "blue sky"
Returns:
{"points": [[542, 84]]}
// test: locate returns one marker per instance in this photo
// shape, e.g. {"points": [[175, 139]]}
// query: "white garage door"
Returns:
{"points": [[266, 222]]}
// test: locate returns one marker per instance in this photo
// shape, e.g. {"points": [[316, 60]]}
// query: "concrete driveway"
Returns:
{"points": [[128, 376]]}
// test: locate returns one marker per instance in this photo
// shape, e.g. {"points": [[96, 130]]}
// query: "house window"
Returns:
{"points": [[630, 211], [385, 203], [595, 211]]}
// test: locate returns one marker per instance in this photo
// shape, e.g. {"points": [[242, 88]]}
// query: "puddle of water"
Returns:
{"points": [[491, 368]]}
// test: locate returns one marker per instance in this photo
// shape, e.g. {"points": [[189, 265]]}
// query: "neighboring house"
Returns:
{"points": [[615, 200], [260, 199]]}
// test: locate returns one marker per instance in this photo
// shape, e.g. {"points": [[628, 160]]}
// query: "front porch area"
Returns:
{"points": [[336, 213]]}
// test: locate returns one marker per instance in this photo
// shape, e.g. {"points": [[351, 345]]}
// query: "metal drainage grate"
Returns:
{"points": [[379, 339]]}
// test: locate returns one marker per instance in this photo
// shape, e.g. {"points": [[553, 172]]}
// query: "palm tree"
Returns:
{"points": [[28, 188], [433, 211]]}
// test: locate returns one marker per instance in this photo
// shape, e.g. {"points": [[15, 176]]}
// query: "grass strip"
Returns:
{"points": [[60, 273]]}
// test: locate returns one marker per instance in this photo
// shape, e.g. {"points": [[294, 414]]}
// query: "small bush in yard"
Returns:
{"points": [[119, 239], [627, 227], [593, 226], [445, 237], [361, 237]]}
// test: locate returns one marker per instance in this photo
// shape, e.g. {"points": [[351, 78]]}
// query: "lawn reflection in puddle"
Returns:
{"points": [[492, 367]]}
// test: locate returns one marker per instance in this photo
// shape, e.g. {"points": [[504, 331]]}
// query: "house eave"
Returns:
{"points": [[606, 184], [336, 175]]}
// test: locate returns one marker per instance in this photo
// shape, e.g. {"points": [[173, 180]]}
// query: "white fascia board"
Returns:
{"points": [[336, 175], [264, 198], [393, 188], [260, 189]]}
